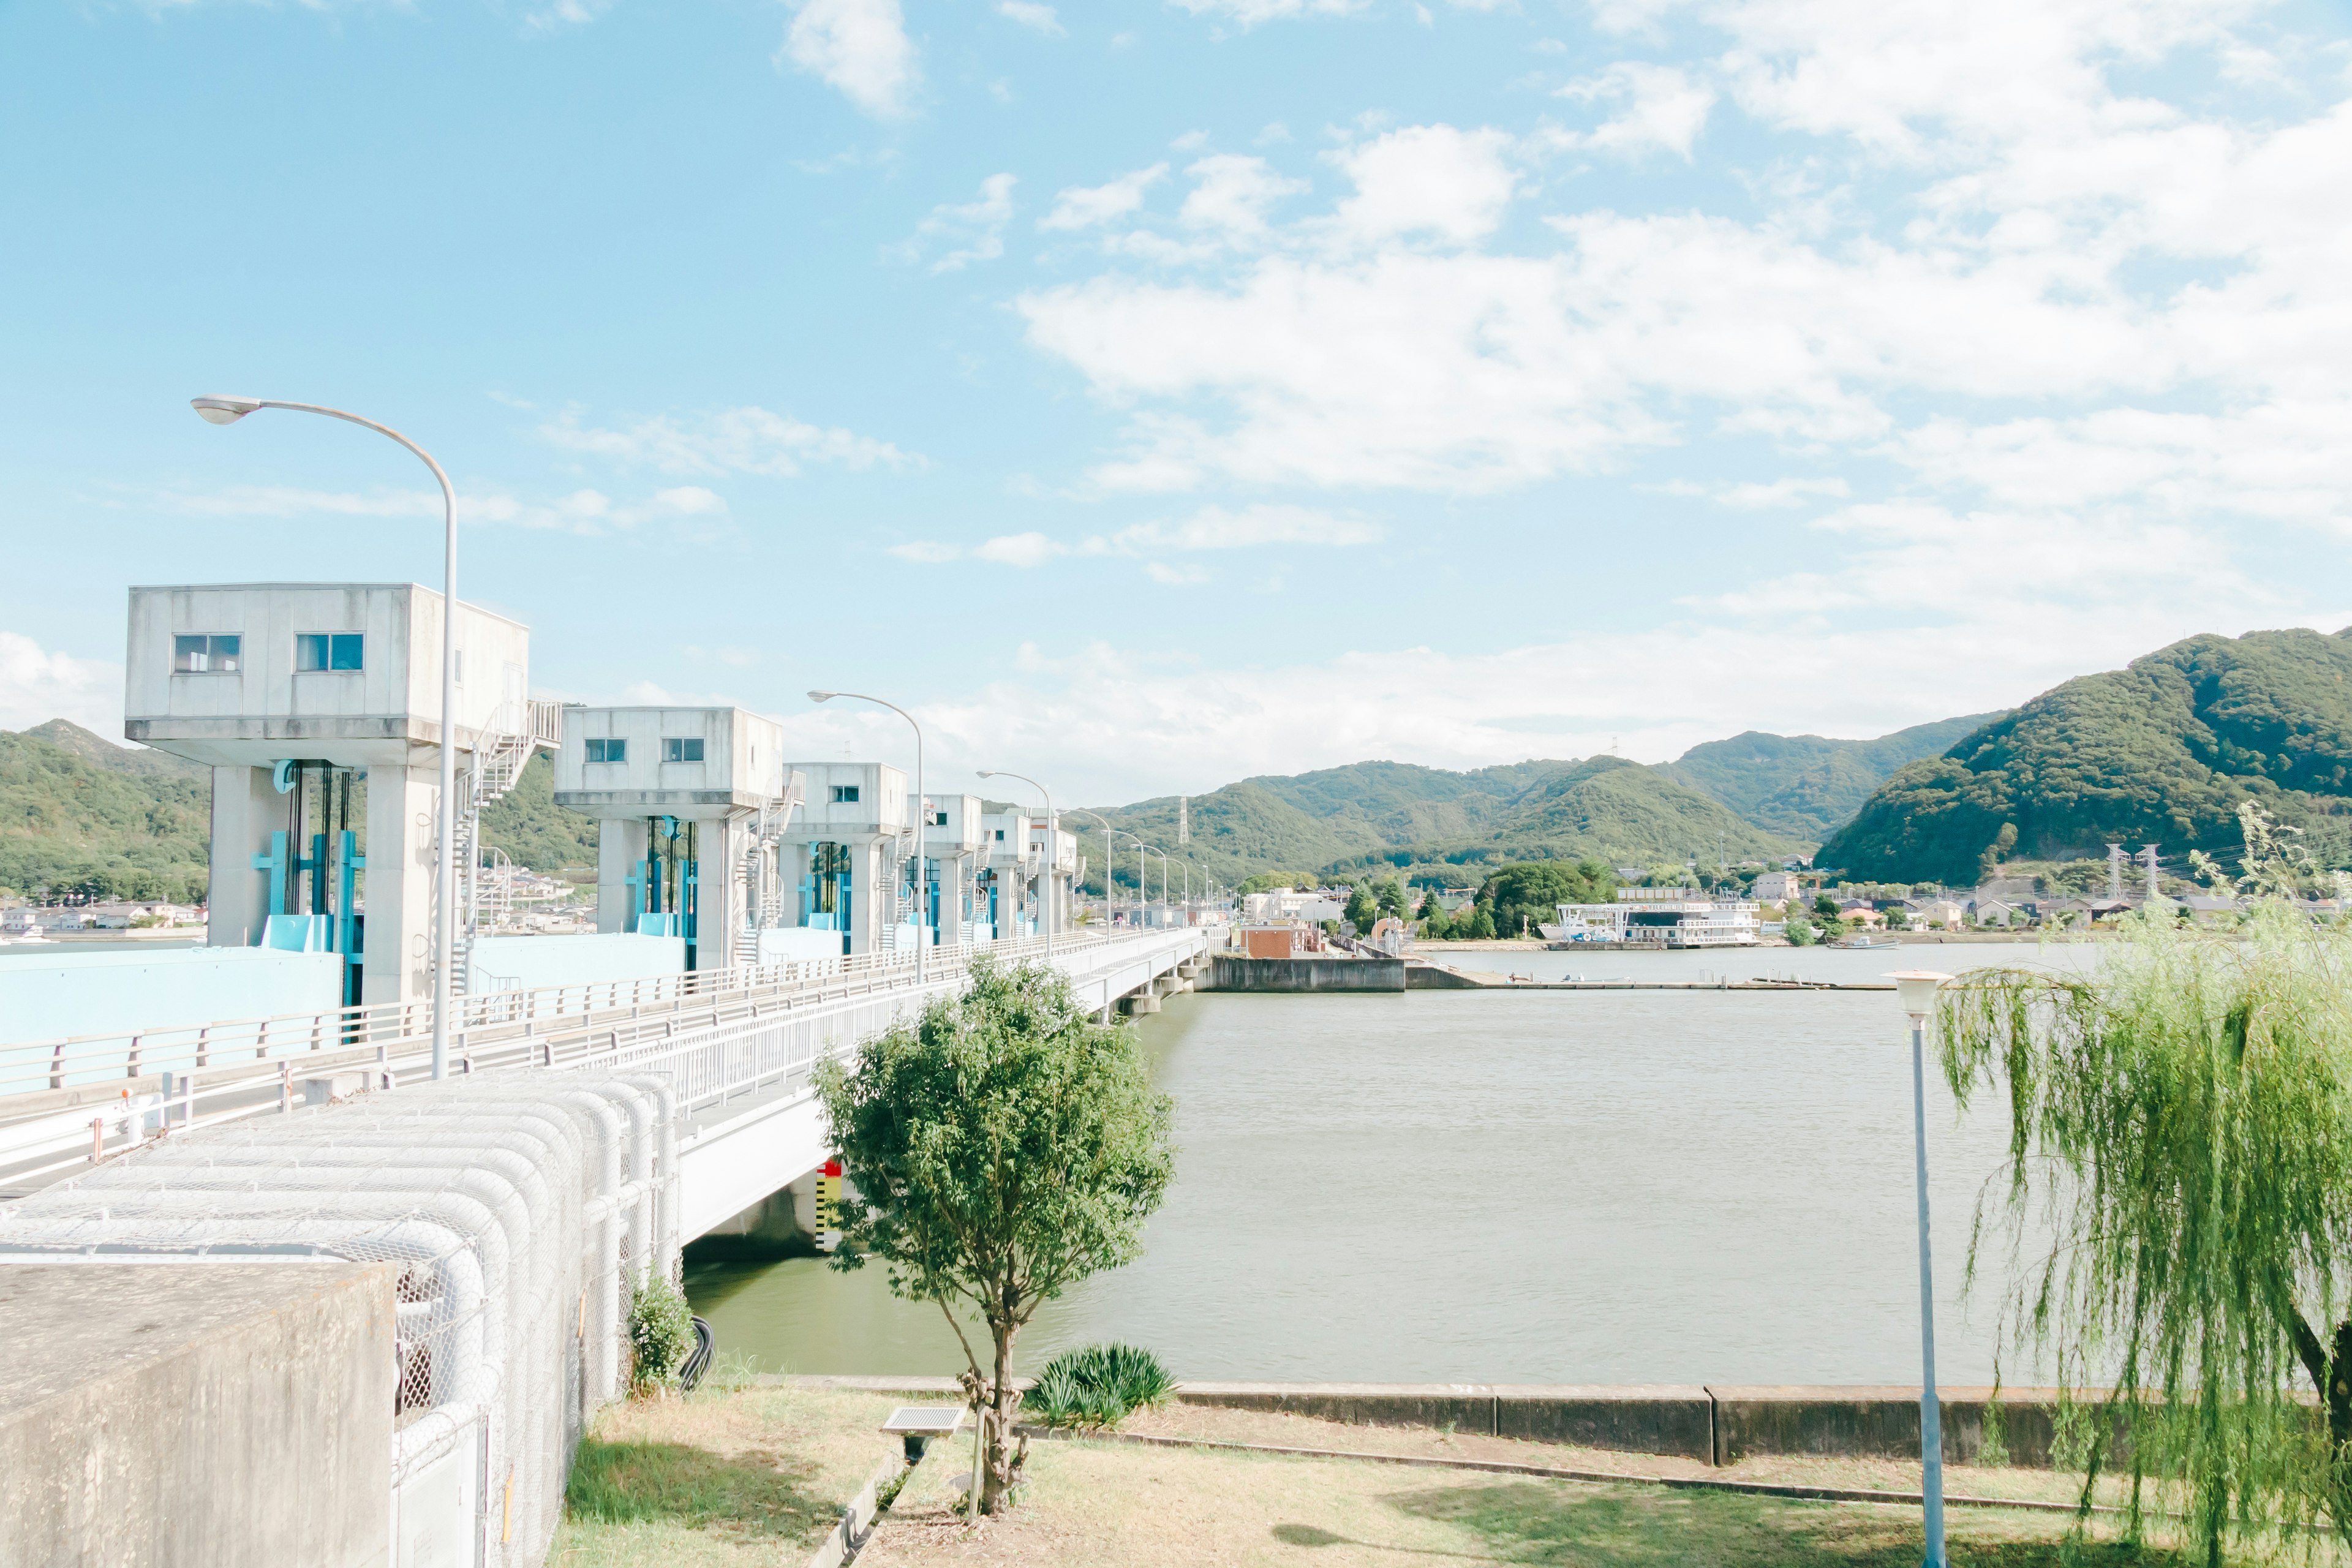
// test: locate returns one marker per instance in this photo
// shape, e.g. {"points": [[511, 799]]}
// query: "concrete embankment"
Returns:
{"points": [[1715, 1424], [197, 1414], [1230, 972]]}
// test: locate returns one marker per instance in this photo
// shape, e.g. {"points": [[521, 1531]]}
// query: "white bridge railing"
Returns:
{"points": [[66, 1104]]}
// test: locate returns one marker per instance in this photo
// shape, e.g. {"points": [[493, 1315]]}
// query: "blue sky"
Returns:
{"points": [[1155, 393]]}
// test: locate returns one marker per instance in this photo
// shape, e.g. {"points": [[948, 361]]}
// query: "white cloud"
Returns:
{"points": [[1215, 528], [860, 46], [1210, 528], [1020, 550], [586, 511], [1757, 495], [1088, 206], [1250, 13], [1431, 179], [1931, 613], [1169, 576], [561, 14], [748, 440], [38, 684], [1660, 108], [971, 231], [1234, 194], [1030, 13]]}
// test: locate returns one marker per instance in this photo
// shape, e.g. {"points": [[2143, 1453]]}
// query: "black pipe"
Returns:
{"points": [[698, 1360]]}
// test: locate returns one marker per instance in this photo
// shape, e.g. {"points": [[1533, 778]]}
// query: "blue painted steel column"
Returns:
{"points": [[1931, 1414]]}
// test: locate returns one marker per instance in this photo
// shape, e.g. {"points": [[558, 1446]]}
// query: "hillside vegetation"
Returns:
{"points": [[2162, 751], [81, 816], [1438, 825], [74, 819], [1805, 785]]}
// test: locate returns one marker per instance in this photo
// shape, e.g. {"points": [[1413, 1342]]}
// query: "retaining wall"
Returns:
{"points": [[1715, 1424], [1229, 972], [197, 1414]]}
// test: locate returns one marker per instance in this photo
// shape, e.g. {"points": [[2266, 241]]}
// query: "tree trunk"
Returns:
{"points": [[2330, 1367], [996, 1471]]}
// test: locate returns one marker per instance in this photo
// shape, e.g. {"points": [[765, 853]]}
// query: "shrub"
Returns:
{"points": [[661, 1332], [1097, 1385]]}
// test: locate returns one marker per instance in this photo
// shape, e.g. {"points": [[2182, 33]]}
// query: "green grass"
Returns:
{"points": [[1093, 1505], [717, 1479]]}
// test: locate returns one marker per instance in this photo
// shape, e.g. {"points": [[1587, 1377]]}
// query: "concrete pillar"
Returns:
{"points": [[246, 811], [619, 853], [720, 893], [865, 897], [401, 863]]}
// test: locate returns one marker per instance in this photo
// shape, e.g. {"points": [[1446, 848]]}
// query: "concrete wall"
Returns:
{"points": [[1721, 1425], [538, 961], [182, 1415], [47, 994], [1877, 1423], [779, 944], [1231, 974], [1636, 1420]]}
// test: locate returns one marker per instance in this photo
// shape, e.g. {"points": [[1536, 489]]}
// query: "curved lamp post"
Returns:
{"points": [[1915, 989], [229, 411], [922, 821], [1054, 823], [1163, 880], [1081, 811]]}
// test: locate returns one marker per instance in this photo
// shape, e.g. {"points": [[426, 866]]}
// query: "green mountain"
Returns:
{"points": [[1806, 786], [1337, 821], [530, 828], [137, 761], [2162, 751], [80, 815]]}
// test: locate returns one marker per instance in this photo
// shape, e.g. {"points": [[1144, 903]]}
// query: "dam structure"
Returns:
{"points": [[610, 1097]]}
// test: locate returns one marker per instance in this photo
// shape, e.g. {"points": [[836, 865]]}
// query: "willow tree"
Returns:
{"points": [[1004, 1145], [2177, 1219]]}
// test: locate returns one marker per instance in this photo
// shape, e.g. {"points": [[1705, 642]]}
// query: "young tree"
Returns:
{"points": [[2179, 1203], [1003, 1146], [1362, 910]]}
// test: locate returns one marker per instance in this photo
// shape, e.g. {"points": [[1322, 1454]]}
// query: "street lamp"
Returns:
{"points": [[922, 821], [1081, 811], [229, 411], [1163, 883], [1915, 990], [1053, 824]]}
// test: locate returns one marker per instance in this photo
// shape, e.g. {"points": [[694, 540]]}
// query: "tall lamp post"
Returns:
{"points": [[229, 411], [1915, 989], [1080, 811], [1163, 881], [922, 824], [1054, 824]]}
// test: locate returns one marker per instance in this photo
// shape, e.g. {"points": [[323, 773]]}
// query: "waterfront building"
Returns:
{"points": [[1314, 906], [1660, 918], [1778, 888]]}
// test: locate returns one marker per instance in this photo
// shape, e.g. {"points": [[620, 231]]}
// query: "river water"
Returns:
{"points": [[1545, 1186]]}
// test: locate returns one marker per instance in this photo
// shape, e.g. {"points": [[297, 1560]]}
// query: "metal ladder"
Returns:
{"points": [[518, 730]]}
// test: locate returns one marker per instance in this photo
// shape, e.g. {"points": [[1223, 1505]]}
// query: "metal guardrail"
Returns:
{"points": [[140, 1085]]}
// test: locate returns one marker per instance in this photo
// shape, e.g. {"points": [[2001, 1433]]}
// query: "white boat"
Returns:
{"points": [[1658, 918], [1866, 940]]}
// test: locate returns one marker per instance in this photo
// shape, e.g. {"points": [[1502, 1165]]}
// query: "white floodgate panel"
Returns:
{"points": [[523, 1208]]}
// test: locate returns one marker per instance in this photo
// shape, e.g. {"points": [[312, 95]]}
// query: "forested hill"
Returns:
{"points": [[77, 814], [1447, 825], [1805, 785], [81, 815], [2162, 751]]}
